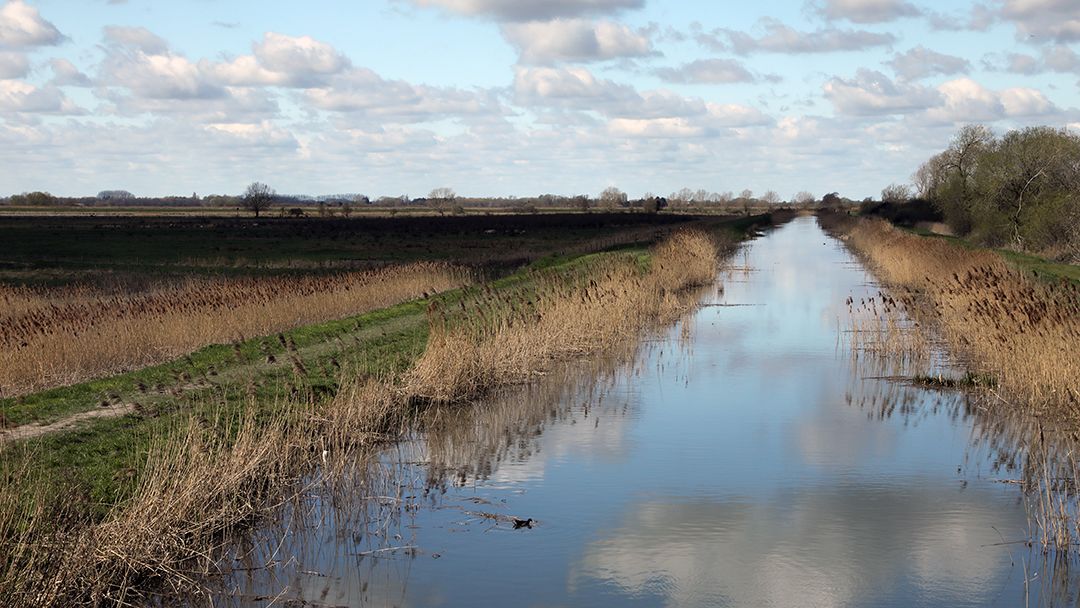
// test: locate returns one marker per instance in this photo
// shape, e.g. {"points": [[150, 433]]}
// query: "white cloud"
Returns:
{"points": [[1041, 19], [1056, 58], [531, 10], [138, 60], [281, 60], [262, 134], [13, 65], [153, 76], [360, 90], [66, 74], [650, 114], [575, 40], [560, 85], [655, 127], [968, 101], [707, 71], [137, 38], [22, 26], [780, 38], [868, 11], [1025, 102], [873, 93], [921, 62], [23, 97], [303, 54], [978, 18]]}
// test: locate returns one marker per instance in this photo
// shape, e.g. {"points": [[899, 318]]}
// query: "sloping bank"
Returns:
{"points": [[208, 479]]}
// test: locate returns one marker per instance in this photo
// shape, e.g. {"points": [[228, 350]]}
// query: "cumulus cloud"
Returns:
{"points": [[646, 114], [360, 90], [291, 55], [21, 25], [281, 60], [576, 40], [531, 10], [1057, 58], [22, 97], [66, 74], [157, 76], [715, 119], [978, 18], [780, 38], [13, 65], [707, 71], [136, 38], [965, 100], [1054, 19], [868, 11], [921, 62], [564, 85], [873, 93]]}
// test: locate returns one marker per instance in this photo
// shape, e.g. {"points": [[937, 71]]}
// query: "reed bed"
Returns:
{"points": [[209, 481], [56, 337], [200, 482], [508, 338], [1022, 332]]}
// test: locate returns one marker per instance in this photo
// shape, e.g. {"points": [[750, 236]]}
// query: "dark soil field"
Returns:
{"points": [[54, 250]]}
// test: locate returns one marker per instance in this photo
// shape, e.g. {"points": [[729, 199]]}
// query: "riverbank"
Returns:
{"points": [[196, 469], [1017, 329]]}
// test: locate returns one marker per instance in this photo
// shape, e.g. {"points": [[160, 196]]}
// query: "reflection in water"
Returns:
{"points": [[806, 547], [744, 459]]}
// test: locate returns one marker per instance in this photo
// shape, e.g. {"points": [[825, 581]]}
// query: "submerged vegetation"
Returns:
{"points": [[208, 474]]}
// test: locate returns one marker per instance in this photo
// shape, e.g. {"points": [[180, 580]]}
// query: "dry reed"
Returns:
{"points": [[509, 337], [56, 337], [200, 482], [1022, 332]]}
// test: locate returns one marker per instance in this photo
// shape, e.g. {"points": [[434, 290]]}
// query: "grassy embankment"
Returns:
{"points": [[159, 490]]}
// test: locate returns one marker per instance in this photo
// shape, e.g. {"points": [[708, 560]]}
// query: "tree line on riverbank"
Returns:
{"points": [[1020, 190]]}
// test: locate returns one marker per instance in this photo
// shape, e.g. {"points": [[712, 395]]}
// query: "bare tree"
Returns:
{"points": [[258, 197], [896, 193], [441, 199], [612, 197], [771, 197], [804, 199]]}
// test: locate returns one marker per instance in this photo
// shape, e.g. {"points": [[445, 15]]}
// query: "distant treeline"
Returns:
{"points": [[1021, 190], [441, 199]]}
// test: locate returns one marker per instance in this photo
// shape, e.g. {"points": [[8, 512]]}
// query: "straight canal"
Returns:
{"points": [[742, 458]]}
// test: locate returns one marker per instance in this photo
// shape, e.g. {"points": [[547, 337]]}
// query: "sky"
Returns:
{"points": [[516, 97]]}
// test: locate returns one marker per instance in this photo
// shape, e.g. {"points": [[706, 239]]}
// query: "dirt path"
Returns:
{"points": [[29, 431]]}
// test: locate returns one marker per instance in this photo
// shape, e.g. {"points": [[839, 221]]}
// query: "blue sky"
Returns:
{"points": [[516, 97]]}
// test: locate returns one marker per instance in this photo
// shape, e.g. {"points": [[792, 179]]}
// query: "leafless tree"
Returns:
{"points": [[896, 193], [258, 197], [612, 197], [804, 199], [441, 199]]}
